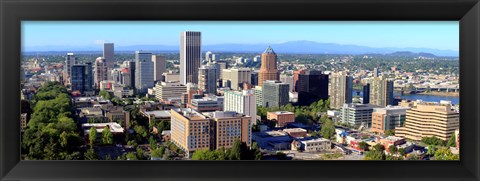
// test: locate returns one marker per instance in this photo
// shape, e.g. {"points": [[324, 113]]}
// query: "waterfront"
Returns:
{"points": [[424, 97]]}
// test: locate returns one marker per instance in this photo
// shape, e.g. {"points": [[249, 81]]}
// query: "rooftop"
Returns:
{"points": [[159, 114], [281, 112], [269, 50]]}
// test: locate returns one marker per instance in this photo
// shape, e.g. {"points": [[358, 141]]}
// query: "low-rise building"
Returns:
{"points": [[296, 132], [207, 104], [312, 145], [281, 117], [388, 118], [355, 114]]}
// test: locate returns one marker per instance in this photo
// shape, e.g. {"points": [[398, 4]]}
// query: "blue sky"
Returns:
{"points": [[422, 34]]}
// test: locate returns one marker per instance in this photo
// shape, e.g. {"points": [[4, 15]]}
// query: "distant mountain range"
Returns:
{"points": [[297, 47]]}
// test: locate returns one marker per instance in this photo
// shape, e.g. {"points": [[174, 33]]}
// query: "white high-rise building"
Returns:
{"points": [[209, 57], [242, 102], [144, 73], [101, 71], [190, 56]]}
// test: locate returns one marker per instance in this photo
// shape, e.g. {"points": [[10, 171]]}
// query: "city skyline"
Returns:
{"points": [[443, 35]]}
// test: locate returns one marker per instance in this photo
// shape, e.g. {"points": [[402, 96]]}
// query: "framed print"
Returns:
{"points": [[244, 90]]}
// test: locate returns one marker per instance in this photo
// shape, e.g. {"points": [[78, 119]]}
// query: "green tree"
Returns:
{"points": [[153, 142], [374, 155], [363, 145], [92, 136], [91, 155], [452, 142], [390, 132], [107, 136], [328, 129], [131, 156], [378, 147], [433, 141], [445, 154], [402, 152], [392, 149], [158, 153], [235, 150]]}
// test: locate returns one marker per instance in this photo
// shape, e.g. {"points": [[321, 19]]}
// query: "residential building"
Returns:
{"points": [[190, 130], [355, 114], [165, 90], [101, 71], [281, 117], [268, 69], [388, 118], [427, 119], [242, 102], [144, 71], [229, 126], [258, 90], [312, 86], [381, 91], [190, 56], [277, 93], [340, 90], [70, 60], [207, 79]]}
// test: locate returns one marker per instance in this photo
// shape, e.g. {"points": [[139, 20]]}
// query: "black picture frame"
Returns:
{"points": [[12, 12]]}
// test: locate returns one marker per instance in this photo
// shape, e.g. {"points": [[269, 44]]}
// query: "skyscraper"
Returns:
{"points": [[190, 56], [132, 70], [158, 67], [70, 60], [312, 86], [143, 71], [381, 91], [207, 79], [82, 78], [288, 79], [340, 90], [242, 102], [275, 93], [268, 70], [108, 54], [366, 93], [101, 71]]}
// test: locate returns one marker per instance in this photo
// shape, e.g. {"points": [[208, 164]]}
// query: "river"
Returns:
{"points": [[426, 98]]}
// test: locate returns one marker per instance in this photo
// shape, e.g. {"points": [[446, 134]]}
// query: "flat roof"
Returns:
{"points": [[159, 114], [281, 112]]}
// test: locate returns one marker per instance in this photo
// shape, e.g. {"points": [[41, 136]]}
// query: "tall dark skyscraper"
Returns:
{"points": [[366, 94], [82, 77], [190, 56], [131, 69], [312, 86], [254, 78]]}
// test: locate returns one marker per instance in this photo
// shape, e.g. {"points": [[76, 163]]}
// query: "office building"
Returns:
{"points": [[388, 118], [277, 93], [132, 72], [296, 75], [356, 115], [281, 117], [427, 119], [207, 104], [207, 79], [159, 67], [312, 86], [221, 65], [82, 77], [167, 90], [381, 91], [101, 71], [254, 78], [144, 71], [268, 69], [70, 60], [340, 90], [242, 102], [190, 56], [258, 90], [366, 93], [108, 54], [209, 57], [236, 77], [288, 79]]}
